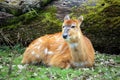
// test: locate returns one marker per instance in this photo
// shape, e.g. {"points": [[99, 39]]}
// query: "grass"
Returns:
{"points": [[107, 67]]}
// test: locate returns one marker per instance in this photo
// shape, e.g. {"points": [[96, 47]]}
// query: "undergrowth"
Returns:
{"points": [[107, 67]]}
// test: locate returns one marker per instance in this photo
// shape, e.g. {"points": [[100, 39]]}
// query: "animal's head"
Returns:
{"points": [[71, 28]]}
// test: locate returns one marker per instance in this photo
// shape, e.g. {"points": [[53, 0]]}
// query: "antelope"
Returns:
{"points": [[69, 48]]}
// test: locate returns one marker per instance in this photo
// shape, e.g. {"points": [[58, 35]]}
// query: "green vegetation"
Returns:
{"points": [[106, 68]]}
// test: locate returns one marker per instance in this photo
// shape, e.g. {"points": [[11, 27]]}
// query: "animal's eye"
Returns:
{"points": [[63, 26], [72, 26]]}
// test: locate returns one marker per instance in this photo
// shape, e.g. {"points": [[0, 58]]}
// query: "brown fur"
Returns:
{"points": [[53, 50]]}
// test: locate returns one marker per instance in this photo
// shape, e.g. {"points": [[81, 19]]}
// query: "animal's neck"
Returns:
{"points": [[78, 49]]}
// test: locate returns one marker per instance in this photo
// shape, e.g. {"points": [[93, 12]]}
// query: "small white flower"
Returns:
{"points": [[102, 59], [90, 78], [35, 74], [85, 69], [106, 62], [1, 66], [100, 71], [112, 61], [21, 67], [101, 63], [13, 65], [92, 69]]}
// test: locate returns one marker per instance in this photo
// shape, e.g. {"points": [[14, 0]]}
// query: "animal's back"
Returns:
{"points": [[45, 49]]}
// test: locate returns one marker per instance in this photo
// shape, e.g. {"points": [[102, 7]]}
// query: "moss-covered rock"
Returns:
{"points": [[30, 26], [18, 7], [102, 26]]}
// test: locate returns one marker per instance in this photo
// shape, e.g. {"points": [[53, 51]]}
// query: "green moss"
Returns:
{"points": [[44, 2], [112, 11], [113, 2], [14, 12], [102, 25], [32, 25], [48, 18], [88, 9], [27, 17]]}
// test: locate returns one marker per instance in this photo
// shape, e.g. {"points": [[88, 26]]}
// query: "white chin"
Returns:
{"points": [[68, 39]]}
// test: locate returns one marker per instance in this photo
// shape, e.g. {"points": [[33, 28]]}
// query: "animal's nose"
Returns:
{"points": [[64, 36]]}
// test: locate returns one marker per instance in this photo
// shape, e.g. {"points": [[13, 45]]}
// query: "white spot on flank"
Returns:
{"points": [[60, 47], [38, 47], [35, 44], [50, 52], [33, 52], [37, 55], [58, 39], [46, 50], [39, 40]]}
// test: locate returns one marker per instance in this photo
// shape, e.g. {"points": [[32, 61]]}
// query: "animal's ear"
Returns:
{"points": [[67, 17], [80, 18]]}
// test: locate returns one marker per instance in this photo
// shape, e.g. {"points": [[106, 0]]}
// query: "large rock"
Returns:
{"points": [[104, 28], [17, 7], [102, 24], [29, 26]]}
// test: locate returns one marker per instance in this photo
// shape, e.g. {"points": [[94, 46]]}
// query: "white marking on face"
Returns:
{"points": [[74, 24], [33, 52], [46, 50], [68, 39], [73, 45]]}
